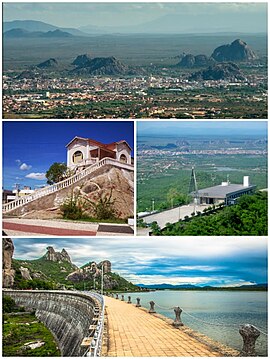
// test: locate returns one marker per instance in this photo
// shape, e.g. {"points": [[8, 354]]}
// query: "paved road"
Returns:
{"points": [[18, 226], [134, 332], [172, 215]]}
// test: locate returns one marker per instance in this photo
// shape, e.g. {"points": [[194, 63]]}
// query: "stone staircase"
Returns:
{"points": [[11, 206]]}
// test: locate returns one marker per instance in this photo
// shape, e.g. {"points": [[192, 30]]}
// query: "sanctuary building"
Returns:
{"points": [[226, 192], [83, 152]]}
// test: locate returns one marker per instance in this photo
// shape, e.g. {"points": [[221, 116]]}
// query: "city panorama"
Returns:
{"points": [[129, 60]]}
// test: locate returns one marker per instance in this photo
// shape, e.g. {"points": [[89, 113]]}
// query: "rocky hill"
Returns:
{"points": [[82, 61], [238, 50], [190, 61], [101, 66], [222, 71], [55, 270], [48, 64], [109, 181]]}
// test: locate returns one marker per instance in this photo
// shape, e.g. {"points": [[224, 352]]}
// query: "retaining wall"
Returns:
{"points": [[67, 315]]}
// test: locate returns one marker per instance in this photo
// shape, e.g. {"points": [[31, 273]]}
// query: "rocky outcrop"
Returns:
{"points": [[59, 257], [102, 66], [8, 273], [48, 64], [190, 61], [224, 71], [82, 60], [108, 178], [107, 266], [25, 273], [93, 270], [238, 50]]}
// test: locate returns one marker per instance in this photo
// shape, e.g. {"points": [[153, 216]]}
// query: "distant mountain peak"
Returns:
{"points": [[52, 255]]}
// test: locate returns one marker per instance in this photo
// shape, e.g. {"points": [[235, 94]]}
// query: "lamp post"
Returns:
{"points": [[102, 272]]}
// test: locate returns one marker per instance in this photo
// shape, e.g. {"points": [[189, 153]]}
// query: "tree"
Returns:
{"points": [[56, 173]]}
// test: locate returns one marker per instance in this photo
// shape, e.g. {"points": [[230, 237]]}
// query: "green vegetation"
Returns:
{"points": [[160, 170], [77, 206], [56, 172], [51, 273], [247, 217], [9, 305], [118, 284], [18, 330]]}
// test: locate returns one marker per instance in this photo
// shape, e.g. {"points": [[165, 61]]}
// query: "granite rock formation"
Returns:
{"points": [[59, 257], [190, 61], [221, 71], [8, 273], [48, 64], [238, 50]]}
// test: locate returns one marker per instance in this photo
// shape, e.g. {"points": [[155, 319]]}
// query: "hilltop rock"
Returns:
{"points": [[82, 61], [59, 257], [102, 66], [224, 71], [48, 64], [8, 273], [25, 273], [238, 50], [189, 61], [118, 183]]}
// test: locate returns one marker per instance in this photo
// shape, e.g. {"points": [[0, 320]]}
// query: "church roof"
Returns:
{"points": [[109, 146]]}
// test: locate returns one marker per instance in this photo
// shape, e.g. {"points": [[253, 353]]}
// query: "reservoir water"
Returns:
{"points": [[225, 311]]}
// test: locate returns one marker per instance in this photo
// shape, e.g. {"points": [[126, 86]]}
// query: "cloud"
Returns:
{"points": [[37, 176], [222, 262], [18, 161], [25, 167]]}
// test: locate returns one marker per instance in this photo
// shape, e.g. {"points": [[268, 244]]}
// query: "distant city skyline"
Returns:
{"points": [[227, 128], [153, 16], [198, 261], [31, 147]]}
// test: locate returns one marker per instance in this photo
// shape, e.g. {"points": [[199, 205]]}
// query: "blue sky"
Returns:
{"points": [[30, 148], [256, 128], [230, 16], [222, 261]]}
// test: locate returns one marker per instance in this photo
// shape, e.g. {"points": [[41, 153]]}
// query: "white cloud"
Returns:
{"points": [[18, 161], [25, 167], [37, 176]]}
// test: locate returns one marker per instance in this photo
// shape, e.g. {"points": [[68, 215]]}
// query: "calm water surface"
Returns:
{"points": [[220, 307]]}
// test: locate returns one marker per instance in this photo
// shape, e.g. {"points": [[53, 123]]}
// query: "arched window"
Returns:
{"points": [[77, 157], [123, 158]]}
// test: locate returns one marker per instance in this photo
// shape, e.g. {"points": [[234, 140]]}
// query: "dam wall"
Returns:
{"points": [[68, 315]]}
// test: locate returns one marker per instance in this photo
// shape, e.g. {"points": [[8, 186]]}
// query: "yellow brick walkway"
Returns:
{"points": [[133, 332]]}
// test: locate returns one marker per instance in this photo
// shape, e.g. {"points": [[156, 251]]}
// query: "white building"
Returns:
{"points": [[82, 152], [226, 192]]}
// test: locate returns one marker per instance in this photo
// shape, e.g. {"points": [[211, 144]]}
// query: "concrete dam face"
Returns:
{"points": [[68, 315]]}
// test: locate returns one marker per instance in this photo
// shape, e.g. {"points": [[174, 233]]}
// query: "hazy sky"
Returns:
{"points": [[27, 158], [219, 261], [75, 14], [257, 128]]}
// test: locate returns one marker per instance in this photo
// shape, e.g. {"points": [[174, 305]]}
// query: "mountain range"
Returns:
{"points": [[260, 286], [167, 24]]}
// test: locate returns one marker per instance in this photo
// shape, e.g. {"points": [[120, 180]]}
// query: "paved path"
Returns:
{"points": [[20, 226], [172, 215], [134, 332]]}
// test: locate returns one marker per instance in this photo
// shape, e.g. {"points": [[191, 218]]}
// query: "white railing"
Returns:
{"points": [[63, 184]]}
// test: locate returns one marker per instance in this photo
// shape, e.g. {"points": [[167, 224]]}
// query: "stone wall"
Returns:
{"points": [[67, 315]]}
